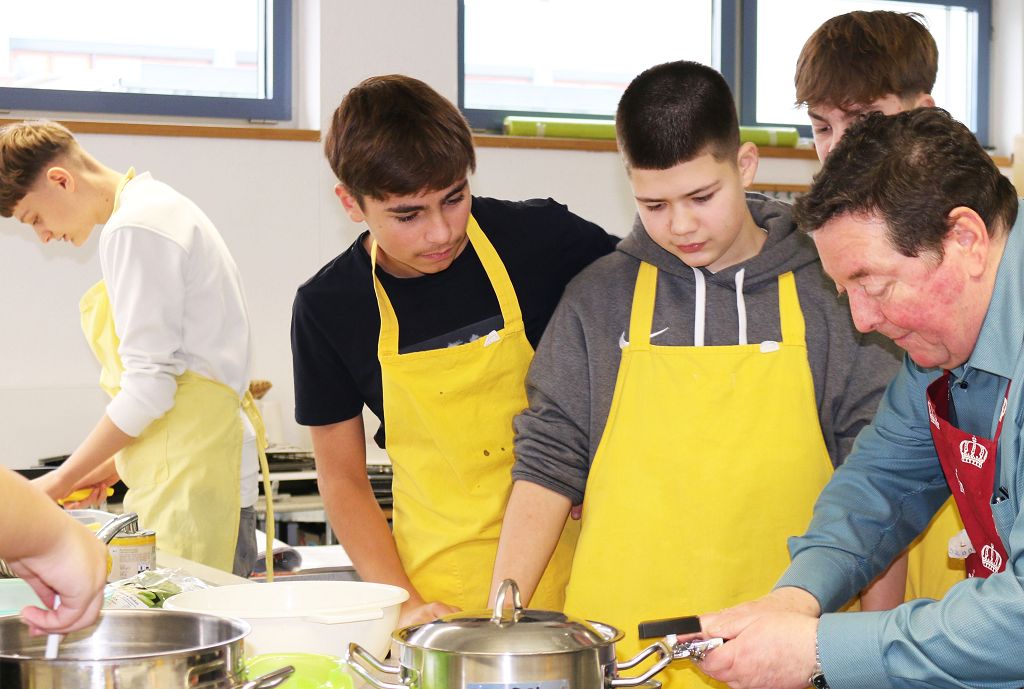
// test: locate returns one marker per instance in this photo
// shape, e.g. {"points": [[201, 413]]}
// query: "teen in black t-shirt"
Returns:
{"points": [[335, 322], [450, 269]]}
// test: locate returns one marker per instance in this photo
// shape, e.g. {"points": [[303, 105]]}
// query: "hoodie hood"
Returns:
{"points": [[786, 248]]}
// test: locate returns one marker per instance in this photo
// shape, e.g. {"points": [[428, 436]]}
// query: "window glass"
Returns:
{"points": [[189, 48], [955, 30], [574, 56]]}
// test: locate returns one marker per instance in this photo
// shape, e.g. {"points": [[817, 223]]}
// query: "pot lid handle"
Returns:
{"points": [[499, 601]]}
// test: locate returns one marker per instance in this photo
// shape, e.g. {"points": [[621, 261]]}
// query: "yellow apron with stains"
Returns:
{"points": [[449, 435], [711, 458]]}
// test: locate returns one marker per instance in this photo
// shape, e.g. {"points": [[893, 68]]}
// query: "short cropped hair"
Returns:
{"points": [[674, 112], [26, 149], [395, 135], [862, 56], [909, 170]]}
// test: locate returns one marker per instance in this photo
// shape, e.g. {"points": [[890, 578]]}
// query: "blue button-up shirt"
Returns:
{"points": [[886, 493]]}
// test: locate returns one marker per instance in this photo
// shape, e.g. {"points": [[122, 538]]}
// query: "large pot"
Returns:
{"points": [[128, 649], [536, 648]]}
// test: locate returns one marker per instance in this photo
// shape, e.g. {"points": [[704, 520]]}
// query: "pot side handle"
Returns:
{"points": [[271, 679], [357, 655], [661, 648]]}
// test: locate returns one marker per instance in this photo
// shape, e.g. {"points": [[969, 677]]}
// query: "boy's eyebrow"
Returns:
{"points": [[411, 207], [695, 192], [457, 190]]}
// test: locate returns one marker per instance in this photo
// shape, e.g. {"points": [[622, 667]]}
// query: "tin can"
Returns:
{"points": [[131, 553]]}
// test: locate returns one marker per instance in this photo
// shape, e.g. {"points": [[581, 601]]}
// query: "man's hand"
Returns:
{"points": [[774, 650], [730, 622], [416, 611], [771, 641]]}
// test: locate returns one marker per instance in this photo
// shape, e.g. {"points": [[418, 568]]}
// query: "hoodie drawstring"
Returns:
{"points": [[700, 307], [741, 306]]}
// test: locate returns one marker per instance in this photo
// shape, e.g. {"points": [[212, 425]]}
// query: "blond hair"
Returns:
{"points": [[26, 149]]}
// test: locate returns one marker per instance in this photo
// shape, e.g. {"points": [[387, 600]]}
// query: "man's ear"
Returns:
{"points": [[349, 203], [967, 238], [924, 100], [61, 177], [746, 160]]}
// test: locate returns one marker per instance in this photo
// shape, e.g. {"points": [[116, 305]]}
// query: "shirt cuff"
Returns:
{"points": [[825, 574], [128, 415], [850, 652]]}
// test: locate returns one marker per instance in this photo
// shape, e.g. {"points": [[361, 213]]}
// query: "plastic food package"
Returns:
{"points": [[149, 589]]}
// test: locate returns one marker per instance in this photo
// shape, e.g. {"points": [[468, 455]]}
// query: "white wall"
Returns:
{"points": [[273, 203]]}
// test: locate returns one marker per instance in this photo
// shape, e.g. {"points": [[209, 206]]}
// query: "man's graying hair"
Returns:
{"points": [[909, 170]]}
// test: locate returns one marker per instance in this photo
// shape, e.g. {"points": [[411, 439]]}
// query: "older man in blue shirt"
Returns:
{"points": [[918, 228]]}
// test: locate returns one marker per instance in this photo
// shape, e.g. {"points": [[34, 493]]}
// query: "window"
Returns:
{"points": [[572, 57], [961, 31], [575, 57], [230, 58]]}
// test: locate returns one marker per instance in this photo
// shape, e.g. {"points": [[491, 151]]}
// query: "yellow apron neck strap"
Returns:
{"points": [[790, 315], [128, 176], [387, 343], [504, 290], [642, 314]]}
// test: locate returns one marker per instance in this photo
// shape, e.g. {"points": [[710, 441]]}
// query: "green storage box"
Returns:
{"points": [[578, 128]]}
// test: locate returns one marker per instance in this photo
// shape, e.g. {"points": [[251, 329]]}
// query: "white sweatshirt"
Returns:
{"points": [[178, 306]]}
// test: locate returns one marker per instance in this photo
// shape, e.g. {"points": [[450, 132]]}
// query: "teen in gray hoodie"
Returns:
{"points": [[694, 388]]}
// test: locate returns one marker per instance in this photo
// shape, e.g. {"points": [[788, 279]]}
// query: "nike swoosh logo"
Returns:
{"points": [[623, 342]]}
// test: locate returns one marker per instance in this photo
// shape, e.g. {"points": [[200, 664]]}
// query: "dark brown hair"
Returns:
{"points": [[909, 170], [394, 135], [861, 56], [674, 112], [26, 149]]}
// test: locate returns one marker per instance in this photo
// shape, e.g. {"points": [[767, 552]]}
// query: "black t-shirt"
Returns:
{"points": [[335, 322]]}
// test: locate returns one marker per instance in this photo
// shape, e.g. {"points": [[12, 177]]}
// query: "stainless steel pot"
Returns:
{"points": [[129, 649], [538, 648]]}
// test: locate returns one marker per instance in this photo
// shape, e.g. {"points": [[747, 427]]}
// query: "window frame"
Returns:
{"points": [[278, 107], [748, 74], [491, 121]]}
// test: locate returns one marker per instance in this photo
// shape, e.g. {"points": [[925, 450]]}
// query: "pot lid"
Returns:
{"points": [[513, 631]]}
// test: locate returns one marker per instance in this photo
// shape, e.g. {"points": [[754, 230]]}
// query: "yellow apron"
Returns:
{"points": [[711, 458], [930, 570], [183, 471], [449, 435]]}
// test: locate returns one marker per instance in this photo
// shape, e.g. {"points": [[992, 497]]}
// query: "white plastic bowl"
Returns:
{"points": [[304, 616]]}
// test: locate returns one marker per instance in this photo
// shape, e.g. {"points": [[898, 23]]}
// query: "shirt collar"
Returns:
{"points": [[1002, 332]]}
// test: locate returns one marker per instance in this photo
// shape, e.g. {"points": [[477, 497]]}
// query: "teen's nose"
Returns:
{"points": [[44, 235], [438, 230], [684, 222]]}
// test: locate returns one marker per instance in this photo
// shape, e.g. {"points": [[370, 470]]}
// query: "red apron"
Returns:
{"points": [[969, 463]]}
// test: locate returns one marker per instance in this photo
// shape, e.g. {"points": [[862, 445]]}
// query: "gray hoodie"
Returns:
{"points": [[572, 378]]}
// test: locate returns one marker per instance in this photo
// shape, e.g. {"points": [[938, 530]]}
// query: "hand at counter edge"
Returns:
{"points": [[417, 611]]}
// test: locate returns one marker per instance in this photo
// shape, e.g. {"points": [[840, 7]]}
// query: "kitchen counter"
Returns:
{"points": [[210, 575]]}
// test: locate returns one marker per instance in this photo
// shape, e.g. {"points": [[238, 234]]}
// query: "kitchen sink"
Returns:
{"points": [[323, 574]]}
